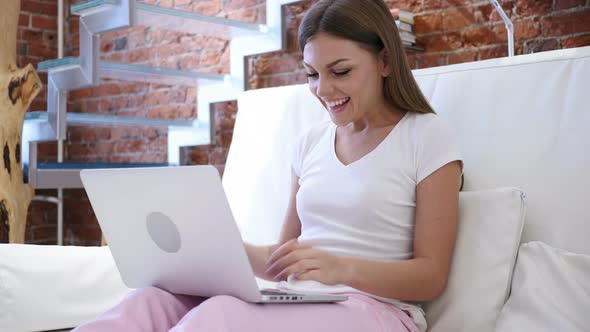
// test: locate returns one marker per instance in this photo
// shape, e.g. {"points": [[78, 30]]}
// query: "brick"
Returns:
{"points": [[229, 5], [540, 45], [157, 144], [180, 111], [428, 23], [102, 148], [118, 133], [93, 106], [42, 51], [106, 45], [130, 146], [280, 65], [113, 105], [32, 36], [209, 58], [74, 24], [566, 4], [461, 57], [412, 61], [195, 43], [430, 5], [412, 5], [441, 42], [198, 156], [218, 156], [248, 15], [487, 13], [191, 96], [138, 56], [165, 97], [152, 157], [80, 93], [224, 138], [37, 7], [493, 52], [566, 24], [525, 8], [104, 89], [138, 39], [210, 8], [73, 150], [178, 3], [24, 19], [526, 29], [44, 22], [432, 60], [168, 50], [50, 38], [479, 37], [166, 3], [457, 19], [577, 41], [43, 232], [116, 57]]}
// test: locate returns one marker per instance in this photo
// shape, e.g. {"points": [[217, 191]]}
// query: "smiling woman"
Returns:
{"points": [[373, 204]]}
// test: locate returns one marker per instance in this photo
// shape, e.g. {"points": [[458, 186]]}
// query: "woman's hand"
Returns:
{"points": [[305, 263]]}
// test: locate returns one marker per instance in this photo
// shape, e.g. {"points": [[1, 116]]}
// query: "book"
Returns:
{"points": [[403, 15], [407, 37], [403, 26]]}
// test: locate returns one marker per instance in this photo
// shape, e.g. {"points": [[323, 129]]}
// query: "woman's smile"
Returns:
{"points": [[338, 105]]}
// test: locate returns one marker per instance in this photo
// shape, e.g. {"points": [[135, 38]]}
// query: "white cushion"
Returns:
{"points": [[257, 176], [490, 226], [53, 287], [550, 291], [523, 122]]}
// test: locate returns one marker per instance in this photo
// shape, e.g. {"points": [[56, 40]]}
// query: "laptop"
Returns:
{"points": [[172, 228]]}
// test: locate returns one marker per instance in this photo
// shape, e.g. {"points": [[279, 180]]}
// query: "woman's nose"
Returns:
{"points": [[323, 87]]}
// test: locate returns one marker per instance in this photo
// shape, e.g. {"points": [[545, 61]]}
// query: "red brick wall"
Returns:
{"points": [[451, 31], [37, 41]]}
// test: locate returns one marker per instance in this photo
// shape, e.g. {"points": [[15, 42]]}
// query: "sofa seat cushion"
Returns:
{"points": [[550, 291], [55, 287]]}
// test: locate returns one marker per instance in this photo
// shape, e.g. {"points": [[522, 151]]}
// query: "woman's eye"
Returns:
{"points": [[312, 75], [342, 72]]}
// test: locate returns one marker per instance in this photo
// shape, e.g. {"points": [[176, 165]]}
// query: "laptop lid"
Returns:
{"points": [[171, 227]]}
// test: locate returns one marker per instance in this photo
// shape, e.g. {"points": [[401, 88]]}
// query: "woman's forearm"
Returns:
{"points": [[416, 279]]}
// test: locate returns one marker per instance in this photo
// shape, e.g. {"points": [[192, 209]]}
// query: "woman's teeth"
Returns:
{"points": [[337, 102]]}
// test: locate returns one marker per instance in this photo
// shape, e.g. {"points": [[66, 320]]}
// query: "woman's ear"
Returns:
{"points": [[384, 61]]}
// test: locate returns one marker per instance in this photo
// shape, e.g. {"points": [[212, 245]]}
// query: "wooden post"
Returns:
{"points": [[18, 87]]}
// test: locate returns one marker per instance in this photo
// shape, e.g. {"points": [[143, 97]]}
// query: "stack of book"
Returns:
{"points": [[405, 24]]}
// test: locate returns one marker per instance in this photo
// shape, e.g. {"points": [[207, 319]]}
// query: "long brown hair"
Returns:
{"points": [[369, 23]]}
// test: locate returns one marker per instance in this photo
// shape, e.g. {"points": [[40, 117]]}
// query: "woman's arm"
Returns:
{"points": [[259, 255], [422, 278]]}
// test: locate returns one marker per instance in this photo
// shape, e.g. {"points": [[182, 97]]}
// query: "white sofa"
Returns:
{"points": [[524, 126]]}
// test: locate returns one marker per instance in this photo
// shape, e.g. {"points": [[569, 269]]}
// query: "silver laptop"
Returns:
{"points": [[172, 228]]}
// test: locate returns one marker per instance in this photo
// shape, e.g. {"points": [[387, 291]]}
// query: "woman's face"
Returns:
{"points": [[346, 78]]}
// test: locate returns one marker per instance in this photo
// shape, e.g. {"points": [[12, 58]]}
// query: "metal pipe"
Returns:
{"points": [[508, 24], [49, 199], [60, 54]]}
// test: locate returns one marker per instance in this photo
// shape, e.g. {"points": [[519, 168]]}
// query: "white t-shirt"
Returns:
{"points": [[367, 209]]}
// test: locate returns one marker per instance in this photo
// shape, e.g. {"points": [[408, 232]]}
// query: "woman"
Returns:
{"points": [[374, 200]]}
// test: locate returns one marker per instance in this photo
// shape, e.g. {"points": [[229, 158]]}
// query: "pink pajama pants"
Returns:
{"points": [[152, 309]]}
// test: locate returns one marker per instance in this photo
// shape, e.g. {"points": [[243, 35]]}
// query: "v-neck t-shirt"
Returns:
{"points": [[366, 209]]}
